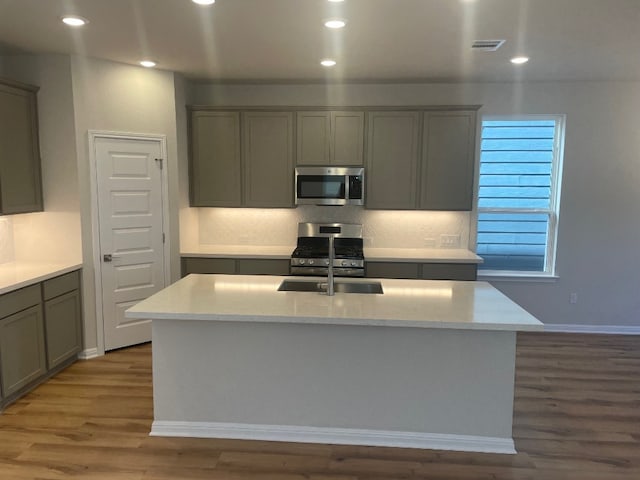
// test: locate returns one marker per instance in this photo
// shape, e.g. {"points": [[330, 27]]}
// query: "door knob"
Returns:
{"points": [[108, 257]]}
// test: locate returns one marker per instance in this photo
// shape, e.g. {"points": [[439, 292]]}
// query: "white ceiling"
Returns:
{"points": [[384, 41]]}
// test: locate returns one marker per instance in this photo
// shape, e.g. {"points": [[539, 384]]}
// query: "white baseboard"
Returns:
{"points": [[88, 354], [341, 436], [603, 329]]}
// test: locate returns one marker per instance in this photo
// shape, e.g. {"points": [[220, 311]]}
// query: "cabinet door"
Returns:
{"points": [[392, 270], [263, 266], [392, 160], [313, 138], [22, 358], [268, 159], [20, 180], [215, 162], [208, 265], [62, 317], [347, 138], [448, 161], [449, 271]]}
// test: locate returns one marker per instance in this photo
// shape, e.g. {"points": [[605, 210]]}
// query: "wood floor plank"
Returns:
{"points": [[576, 417]]}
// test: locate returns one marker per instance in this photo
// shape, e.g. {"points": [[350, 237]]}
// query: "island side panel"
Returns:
{"points": [[437, 381]]}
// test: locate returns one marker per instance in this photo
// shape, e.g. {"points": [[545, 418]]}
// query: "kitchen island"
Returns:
{"points": [[426, 364]]}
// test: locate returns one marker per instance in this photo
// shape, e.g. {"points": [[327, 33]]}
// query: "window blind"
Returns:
{"points": [[515, 193]]}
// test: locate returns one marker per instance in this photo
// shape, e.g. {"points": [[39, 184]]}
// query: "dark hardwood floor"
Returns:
{"points": [[577, 417]]}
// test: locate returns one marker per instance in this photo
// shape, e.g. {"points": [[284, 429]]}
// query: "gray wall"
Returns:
{"points": [[115, 97], [54, 235], [599, 229]]}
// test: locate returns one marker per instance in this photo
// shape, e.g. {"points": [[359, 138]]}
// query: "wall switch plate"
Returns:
{"points": [[449, 241], [573, 298]]}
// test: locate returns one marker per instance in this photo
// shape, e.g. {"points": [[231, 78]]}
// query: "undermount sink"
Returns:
{"points": [[321, 286]]}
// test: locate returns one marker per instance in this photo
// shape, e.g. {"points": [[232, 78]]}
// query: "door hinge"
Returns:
{"points": [[162, 237], [159, 162]]}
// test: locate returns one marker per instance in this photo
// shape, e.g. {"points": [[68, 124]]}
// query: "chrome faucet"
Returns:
{"points": [[332, 256]]}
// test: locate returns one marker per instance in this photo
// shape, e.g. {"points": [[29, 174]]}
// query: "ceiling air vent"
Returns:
{"points": [[487, 45]]}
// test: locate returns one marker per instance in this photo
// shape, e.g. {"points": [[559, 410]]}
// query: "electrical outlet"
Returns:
{"points": [[449, 241], [573, 298], [429, 242]]}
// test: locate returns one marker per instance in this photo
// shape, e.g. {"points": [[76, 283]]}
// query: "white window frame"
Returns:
{"points": [[550, 268]]}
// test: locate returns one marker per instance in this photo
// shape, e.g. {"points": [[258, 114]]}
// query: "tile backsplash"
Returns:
{"points": [[382, 228], [47, 237], [7, 250]]}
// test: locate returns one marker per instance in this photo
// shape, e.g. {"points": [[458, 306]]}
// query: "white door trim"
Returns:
{"points": [[95, 226]]}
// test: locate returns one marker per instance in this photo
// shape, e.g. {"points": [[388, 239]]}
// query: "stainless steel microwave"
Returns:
{"points": [[329, 186]]}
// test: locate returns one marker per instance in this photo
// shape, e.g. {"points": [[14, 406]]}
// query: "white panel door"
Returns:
{"points": [[129, 180]]}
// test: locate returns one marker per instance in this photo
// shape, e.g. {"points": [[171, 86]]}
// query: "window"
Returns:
{"points": [[519, 193]]}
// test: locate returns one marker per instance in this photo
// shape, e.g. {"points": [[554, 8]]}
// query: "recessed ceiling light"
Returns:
{"points": [[335, 23], [74, 20], [204, 2], [328, 62], [519, 60], [148, 63], [336, 1]]}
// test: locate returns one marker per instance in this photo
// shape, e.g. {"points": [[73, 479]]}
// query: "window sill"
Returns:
{"points": [[517, 277]]}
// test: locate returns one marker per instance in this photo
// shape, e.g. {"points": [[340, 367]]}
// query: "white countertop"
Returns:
{"points": [[427, 255], [239, 251], [17, 275], [405, 303]]}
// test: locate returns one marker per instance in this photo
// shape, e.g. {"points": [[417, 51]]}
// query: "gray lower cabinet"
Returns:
{"points": [[448, 152], [392, 159], [62, 314], [235, 266], [330, 137], [20, 177], [449, 271], [40, 333], [262, 266], [425, 271], [392, 270], [249, 266], [22, 349], [208, 265]]}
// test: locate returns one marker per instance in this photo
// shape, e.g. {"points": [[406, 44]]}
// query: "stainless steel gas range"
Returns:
{"points": [[311, 256]]}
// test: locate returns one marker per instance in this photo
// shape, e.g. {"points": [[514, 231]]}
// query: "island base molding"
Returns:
{"points": [[338, 436]]}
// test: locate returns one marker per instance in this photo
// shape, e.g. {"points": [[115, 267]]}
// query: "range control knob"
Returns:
{"points": [[354, 263], [310, 262], [345, 263], [326, 262]]}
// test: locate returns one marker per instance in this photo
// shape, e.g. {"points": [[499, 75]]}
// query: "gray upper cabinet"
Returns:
{"points": [[330, 138], [448, 151], [267, 140], [415, 157], [313, 138], [392, 159], [215, 161], [20, 177], [347, 138]]}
